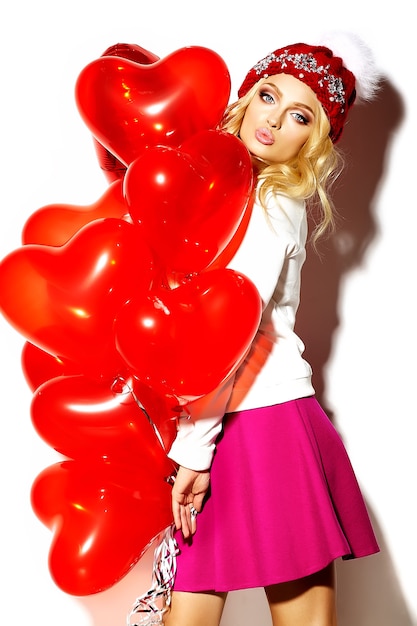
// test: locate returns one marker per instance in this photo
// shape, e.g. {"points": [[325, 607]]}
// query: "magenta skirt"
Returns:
{"points": [[284, 503]]}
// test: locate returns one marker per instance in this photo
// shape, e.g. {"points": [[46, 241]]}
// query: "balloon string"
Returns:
{"points": [[151, 606], [142, 408]]}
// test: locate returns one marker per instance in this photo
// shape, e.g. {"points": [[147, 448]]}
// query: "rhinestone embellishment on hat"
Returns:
{"points": [[306, 63]]}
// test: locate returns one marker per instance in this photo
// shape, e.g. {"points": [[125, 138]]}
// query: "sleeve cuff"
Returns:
{"points": [[199, 427], [195, 443]]}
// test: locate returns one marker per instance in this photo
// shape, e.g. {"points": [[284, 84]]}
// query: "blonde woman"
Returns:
{"points": [[265, 495]]}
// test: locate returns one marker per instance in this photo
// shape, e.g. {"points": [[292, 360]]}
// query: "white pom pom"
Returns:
{"points": [[358, 58]]}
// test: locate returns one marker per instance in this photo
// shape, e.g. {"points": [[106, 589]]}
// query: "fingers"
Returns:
{"points": [[188, 516], [193, 518], [189, 490], [198, 502], [176, 512], [185, 518]]}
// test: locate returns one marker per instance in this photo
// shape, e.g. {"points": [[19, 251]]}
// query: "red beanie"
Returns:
{"points": [[333, 84]]}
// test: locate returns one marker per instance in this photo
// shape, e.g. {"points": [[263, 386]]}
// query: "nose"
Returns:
{"points": [[274, 121]]}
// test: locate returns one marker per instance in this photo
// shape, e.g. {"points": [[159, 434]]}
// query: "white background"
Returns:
{"points": [[358, 311]]}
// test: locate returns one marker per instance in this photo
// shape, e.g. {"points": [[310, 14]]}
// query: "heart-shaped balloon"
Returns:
{"points": [[103, 516], [64, 299], [81, 418], [39, 366], [184, 342], [131, 51], [111, 166], [190, 201], [232, 247], [129, 106], [55, 224]]}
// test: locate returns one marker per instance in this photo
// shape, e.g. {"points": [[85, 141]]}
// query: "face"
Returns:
{"points": [[279, 118]]}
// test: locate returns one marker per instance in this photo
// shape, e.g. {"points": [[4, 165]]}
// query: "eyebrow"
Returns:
{"points": [[302, 105]]}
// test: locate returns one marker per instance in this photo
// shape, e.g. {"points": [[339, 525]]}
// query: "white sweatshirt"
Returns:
{"points": [[271, 254]]}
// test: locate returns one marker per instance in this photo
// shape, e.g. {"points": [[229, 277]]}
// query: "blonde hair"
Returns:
{"points": [[309, 176]]}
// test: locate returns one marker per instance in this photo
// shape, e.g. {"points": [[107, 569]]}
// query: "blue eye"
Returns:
{"points": [[300, 118], [266, 97]]}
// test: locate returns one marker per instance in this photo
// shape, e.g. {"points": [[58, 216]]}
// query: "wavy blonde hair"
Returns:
{"points": [[309, 176]]}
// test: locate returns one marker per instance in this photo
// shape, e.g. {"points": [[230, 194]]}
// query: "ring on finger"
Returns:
{"points": [[193, 511]]}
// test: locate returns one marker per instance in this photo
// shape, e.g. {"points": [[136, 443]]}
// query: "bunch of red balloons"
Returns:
{"points": [[128, 310]]}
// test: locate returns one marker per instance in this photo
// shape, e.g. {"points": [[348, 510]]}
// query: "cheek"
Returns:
{"points": [[288, 149], [299, 139]]}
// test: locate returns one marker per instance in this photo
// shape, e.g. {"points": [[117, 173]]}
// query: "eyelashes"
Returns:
{"points": [[300, 118], [267, 97]]}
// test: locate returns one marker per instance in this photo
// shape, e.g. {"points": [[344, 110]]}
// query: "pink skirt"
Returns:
{"points": [[284, 503]]}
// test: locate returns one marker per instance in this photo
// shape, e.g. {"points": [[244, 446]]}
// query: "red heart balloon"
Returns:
{"points": [[130, 106], [131, 51], [64, 299], [55, 224], [232, 247], [111, 166], [184, 342], [189, 201], [102, 515], [39, 366], [81, 418]]}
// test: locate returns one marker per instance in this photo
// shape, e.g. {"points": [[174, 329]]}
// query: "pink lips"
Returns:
{"points": [[264, 136]]}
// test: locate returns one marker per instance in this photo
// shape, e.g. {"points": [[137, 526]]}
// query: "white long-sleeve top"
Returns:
{"points": [[271, 255]]}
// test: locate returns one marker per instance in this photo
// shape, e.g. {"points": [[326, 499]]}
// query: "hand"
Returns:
{"points": [[189, 487]]}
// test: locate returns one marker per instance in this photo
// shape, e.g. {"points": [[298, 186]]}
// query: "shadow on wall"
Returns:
{"points": [[365, 145], [369, 593], [368, 590]]}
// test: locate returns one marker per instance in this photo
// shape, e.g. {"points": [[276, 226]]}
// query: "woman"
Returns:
{"points": [[258, 459]]}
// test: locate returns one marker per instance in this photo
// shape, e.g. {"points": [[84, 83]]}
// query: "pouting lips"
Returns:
{"points": [[264, 136]]}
